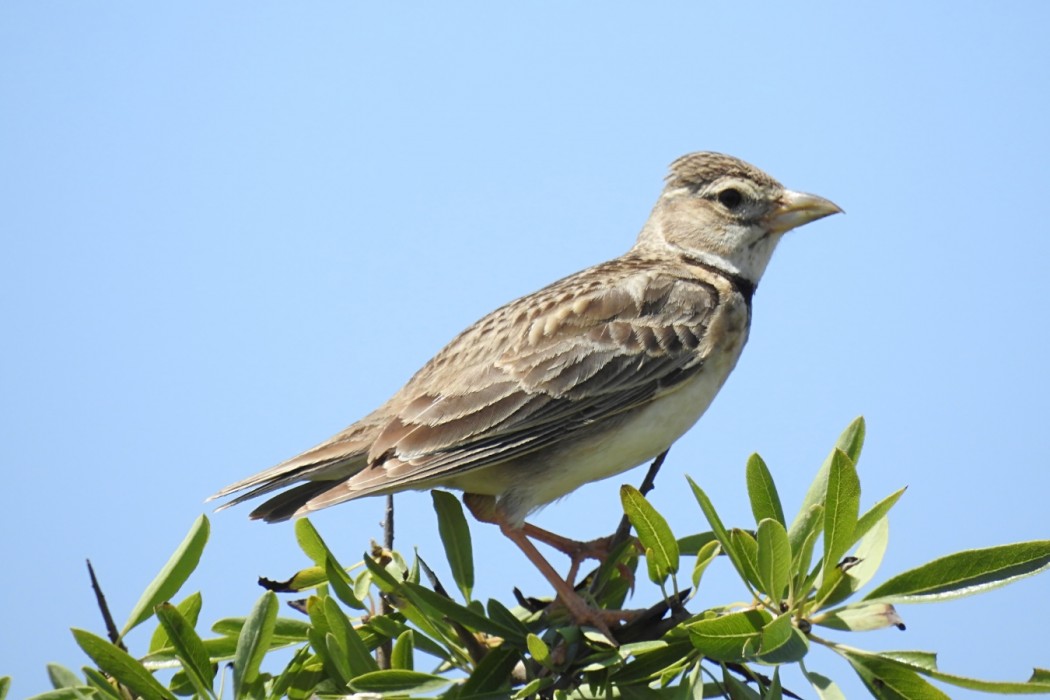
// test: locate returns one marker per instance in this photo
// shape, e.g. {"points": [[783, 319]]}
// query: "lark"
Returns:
{"points": [[579, 381]]}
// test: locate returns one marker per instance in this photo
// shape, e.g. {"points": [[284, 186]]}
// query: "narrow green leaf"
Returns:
{"points": [[357, 654], [339, 582], [5, 686], [99, 682], [455, 535], [188, 648], [774, 692], [398, 681], [81, 692], [860, 617], [718, 528], [891, 680], [529, 690], [850, 441], [190, 609], [121, 665], [802, 541], [284, 683], [774, 558], [925, 663], [499, 614], [825, 687], [443, 607], [170, 579], [310, 542], [765, 502], [62, 677], [737, 690], [725, 638], [336, 656], [704, 557], [841, 506], [254, 642], [966, 573], [492, 673], [333, 665], [402, 654], [653, 532], [689, 545], [876, 513], [869, 554], [747, 548], [286, 630]]}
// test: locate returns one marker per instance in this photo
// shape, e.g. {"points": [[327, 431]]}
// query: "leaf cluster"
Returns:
{"points": [[387, 627]]}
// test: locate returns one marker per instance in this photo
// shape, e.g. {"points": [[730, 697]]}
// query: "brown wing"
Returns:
{"points": [[539, 371], [533, 373]]}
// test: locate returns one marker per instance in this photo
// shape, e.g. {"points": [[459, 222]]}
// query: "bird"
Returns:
{"points": [[584, 379]]}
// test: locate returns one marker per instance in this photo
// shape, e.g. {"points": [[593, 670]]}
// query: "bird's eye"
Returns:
{"points": [[730, 198]]}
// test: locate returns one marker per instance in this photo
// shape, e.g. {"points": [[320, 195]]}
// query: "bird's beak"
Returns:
{"points": [[793, 209]]}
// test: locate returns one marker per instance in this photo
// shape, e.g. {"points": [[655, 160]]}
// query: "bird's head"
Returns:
{"points": [[727, 212]]}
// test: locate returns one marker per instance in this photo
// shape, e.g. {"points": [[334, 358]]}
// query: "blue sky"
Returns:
{"points": [[230, 229]]}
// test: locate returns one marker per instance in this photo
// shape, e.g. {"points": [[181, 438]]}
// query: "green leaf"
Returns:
{"points": [[529, 690], [876, 513], [802, 540], [455, 535], [62, 677], [492, 673], [398, 681], [747, 548], [538, 649], [401, 656], [653, 533], [774, 558], [122, 666], [188, 648], [5, 686], [780, 642], [966, 573], [354, 649], [850, 441], [841, 506], [99, 682], [724, 638], [81, 692], [253, 642], [444, 607], [869, 554], [737, 690], [691, 544], [891, 680], [718, 528], [860, 617], [190, 609], [765, 502], [704, 557], [825, 687], [339, 582], [925, 663], [310, 542], [170, 579]]}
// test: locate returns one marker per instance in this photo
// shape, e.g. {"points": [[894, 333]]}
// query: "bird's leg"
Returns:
{"points": [[484, 509], [576, 550]]}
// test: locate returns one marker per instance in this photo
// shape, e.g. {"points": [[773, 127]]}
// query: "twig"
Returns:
{"points": [[384, 651], [100, 598]]}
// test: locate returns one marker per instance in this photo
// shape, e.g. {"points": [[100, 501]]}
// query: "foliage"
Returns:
{"points": [[799, 576]]}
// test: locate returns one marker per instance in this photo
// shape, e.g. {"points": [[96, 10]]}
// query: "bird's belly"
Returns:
{"points": [[641, 436]]}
